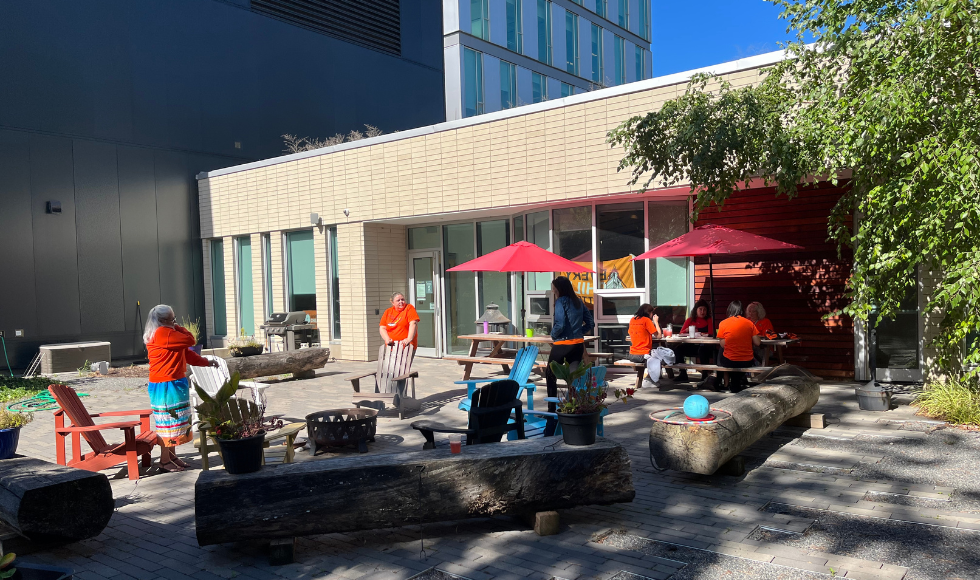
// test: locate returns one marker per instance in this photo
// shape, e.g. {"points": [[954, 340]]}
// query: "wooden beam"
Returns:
{"points": [[300, 362], [390, 490]]}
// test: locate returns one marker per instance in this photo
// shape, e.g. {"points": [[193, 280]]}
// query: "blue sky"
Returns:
{"points": [[690, 34]]}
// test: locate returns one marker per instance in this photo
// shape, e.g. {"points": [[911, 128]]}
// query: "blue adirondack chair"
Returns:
{"points": [[537, 421], [520, 371]]}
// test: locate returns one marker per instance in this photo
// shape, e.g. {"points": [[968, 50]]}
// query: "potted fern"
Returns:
{"points": [[238, 425], [581, 402], [10, 424]]}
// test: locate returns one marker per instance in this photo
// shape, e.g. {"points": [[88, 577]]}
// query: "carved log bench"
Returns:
{"points": [[279, 503]]}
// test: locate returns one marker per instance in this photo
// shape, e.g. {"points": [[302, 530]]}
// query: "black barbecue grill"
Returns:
{"points": [[293, 327]]}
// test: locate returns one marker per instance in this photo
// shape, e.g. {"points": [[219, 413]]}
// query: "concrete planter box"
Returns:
{"points": [[68, 357]]}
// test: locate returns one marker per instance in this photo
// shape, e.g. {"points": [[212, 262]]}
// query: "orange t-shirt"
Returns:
{"points": [[641, 335], [763, 325], [396, 323], [737, 332], [169, 353]]}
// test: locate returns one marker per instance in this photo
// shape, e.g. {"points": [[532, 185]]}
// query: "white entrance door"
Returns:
{"points": [[424, 285]]}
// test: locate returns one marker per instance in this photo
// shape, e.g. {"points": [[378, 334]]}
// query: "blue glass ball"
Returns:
{"points": [[696, 407]]}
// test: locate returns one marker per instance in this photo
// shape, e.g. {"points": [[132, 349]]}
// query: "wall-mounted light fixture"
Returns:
{"points": [[54, 207]]}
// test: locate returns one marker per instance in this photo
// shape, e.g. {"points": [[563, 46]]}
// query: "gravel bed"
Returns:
{"points": [[930, 552], [97, 383], [946, 457], [705, 565]]}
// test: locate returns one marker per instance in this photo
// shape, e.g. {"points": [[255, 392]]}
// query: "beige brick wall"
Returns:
{"points": [[322, 283], [930, 321], [278, 276], [208, 289], [231, 312], [258, 286]]}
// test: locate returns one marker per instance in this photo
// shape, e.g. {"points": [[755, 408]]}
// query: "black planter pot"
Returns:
{"points": [[247, 350], [38, 572], [578, 429], [242, 455], [8, 442]]}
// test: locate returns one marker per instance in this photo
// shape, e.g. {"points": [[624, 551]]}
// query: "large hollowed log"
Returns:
{"points": [[703, 448], [370, 492], [49, 503], [300, 361]]}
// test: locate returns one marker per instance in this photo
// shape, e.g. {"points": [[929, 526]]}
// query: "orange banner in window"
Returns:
{"points": [[613, 275]]}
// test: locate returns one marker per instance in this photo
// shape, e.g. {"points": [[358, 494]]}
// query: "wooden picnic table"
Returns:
{"points": [[778, 344], [498, 341]]}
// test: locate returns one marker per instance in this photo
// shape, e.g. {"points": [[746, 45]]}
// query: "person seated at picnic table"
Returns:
{"points": [[702, 322], [399, 324], [643, 328], [738, 335], [757, 314], [572, 322]]}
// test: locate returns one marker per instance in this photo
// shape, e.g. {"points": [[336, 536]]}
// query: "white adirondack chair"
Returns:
{"points": [[390, 381], [211, 379]]}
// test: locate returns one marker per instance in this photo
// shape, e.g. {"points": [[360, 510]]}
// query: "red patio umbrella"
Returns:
{"points": [[520, 257], [708, 240]]}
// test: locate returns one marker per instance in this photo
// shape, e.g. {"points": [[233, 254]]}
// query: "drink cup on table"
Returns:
{"points": [[486, 327], [691, 331], [529, 332], [455, 443]]}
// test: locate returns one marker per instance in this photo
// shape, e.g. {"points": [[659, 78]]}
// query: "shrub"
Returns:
{"points": [[13, 388], [953, 400], [10, 420]]}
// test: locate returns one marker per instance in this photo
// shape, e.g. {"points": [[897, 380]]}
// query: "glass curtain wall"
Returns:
{"points": [[567, 90], [508, 85], [458, 247], [301, 272], [218, 288], [638, 57], [669, 291], [515, 25], [644, 19], [480, 18], [600, 8], [598, 69], [539, 88], [472, 82], [334, 284], [246, 310], [544, 31], [571, 43], [623, 14], [619, 46], [493, 286]]}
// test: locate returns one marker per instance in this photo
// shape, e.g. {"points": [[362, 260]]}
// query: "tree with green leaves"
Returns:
{"points": [[887, 96]]}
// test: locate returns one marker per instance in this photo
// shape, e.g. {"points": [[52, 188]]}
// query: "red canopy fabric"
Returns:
{"points": [[710, 239], [520, 257]]}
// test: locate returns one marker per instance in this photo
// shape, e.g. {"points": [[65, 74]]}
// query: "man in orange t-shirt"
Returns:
{"points": [[738, 335]]}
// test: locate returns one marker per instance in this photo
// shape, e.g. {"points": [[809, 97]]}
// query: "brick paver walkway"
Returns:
{"points": [[151, 535]]}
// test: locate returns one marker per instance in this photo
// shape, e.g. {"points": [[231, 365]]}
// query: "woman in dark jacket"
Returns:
{"points": [[572, 322]]}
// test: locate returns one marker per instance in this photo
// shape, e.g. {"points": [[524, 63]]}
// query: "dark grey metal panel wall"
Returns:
{"points": [[138, 213], [17, 298]]}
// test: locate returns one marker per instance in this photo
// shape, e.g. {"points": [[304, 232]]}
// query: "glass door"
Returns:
{"points": [[898, 353], [424, 284]]}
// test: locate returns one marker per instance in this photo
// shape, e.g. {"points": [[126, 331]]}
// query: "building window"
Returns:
{"points": [[620, 230], [544, 31], [639, 57], [334, 283], [598, 70], [573, 240], [246, 310], [668, 276], [539, 88], [493, 286], [515, 25], [480, 18], [571, 43], [539, 234], [619, 46], [269, 301], [460, 286], [218, 287], [301, 272], [601, 9], [508, 85], [644, 19], [623, 16], [424, 238], [473, 83], [567, 90]]}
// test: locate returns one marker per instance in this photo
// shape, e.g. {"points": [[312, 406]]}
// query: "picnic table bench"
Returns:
{"points": [[640, 368], [499, 341]]}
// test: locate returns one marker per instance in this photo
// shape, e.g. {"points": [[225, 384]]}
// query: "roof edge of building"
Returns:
{"points": [[729, 67]]}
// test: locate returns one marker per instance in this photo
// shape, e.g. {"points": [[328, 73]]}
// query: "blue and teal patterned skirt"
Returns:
{"points": [[171, 406]]}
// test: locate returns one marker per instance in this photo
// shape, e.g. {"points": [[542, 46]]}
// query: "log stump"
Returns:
{"points": [[382, 491], [53, 504], [301, 363]]}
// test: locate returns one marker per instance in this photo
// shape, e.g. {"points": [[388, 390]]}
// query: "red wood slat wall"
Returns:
{"points": [[797, 289]]}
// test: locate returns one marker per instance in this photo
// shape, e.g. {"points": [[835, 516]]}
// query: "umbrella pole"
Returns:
{"points": [[711, 285]]}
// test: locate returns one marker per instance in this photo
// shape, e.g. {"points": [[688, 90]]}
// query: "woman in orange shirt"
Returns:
{"points": [[399, 324], [757, 314], [644, 327], [168, 346], [738, 336]]}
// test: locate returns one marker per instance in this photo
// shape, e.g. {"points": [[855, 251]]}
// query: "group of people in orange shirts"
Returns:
{"points": [[741, 337]]}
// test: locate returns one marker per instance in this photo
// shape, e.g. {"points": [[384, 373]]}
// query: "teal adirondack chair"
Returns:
{"points": [[520, 371], [537, 421]]}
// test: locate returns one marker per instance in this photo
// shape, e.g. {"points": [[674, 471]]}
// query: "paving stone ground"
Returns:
{"points": [[716, 526]]}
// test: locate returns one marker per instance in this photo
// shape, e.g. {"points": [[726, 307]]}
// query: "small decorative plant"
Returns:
{"points": [[582, 393], [5, 561], [11, 420], [244, 344], [194, 327], [228, 418]]}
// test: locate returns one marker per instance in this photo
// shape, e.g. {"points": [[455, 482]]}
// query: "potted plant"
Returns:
{"points": [[238, 425], [14, 570], [246, 346], [581, 402], [10, 424], [194, 327]]}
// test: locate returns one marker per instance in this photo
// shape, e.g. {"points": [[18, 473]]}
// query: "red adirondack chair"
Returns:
{"points": [[103, 454]]}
